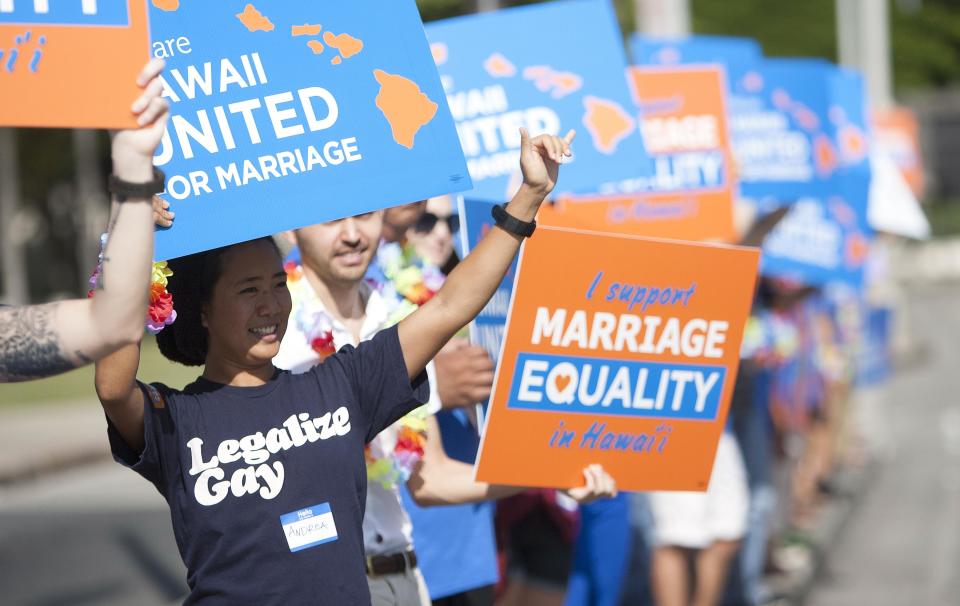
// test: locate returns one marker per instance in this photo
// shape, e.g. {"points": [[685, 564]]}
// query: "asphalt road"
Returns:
{"points": [[98, 534], [901, 547]]}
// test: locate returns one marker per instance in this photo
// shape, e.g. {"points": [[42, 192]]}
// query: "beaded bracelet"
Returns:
{"points": [[160, 312]]}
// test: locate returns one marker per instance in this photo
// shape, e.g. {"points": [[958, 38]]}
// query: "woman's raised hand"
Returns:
{"points": [[133, 149], [540, 159]]}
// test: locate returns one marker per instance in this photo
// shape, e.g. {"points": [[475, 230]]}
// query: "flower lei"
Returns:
{"points": [[310, 319], [160, 311], [407, 285]]}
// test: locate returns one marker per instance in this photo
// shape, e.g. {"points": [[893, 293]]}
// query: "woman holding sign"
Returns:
{"points": [[38, 341], [264, 470]]}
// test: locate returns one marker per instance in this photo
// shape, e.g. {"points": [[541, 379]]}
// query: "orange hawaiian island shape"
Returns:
{"points": [[404, 105], [167, 5], [254, 20], [607, 123]]}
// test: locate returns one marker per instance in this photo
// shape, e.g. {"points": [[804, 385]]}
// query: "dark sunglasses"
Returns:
{"points": [[428, 221]]}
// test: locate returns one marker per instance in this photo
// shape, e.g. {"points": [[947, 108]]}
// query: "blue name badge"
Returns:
{"points": [[616, 387], [100, 13], [309, 527]]}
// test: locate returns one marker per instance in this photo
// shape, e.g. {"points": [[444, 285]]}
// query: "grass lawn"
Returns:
{"points": [[78, 384], [944, 217]]}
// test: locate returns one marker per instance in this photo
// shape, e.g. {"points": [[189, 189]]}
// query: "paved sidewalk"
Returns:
{"points": [[46, 437]]}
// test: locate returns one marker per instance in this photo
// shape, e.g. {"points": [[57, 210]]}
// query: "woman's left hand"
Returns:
{"points": [[133, 149], [599, 485]]}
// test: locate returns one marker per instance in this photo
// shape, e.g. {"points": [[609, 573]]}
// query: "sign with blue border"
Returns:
{"points": [[288, 114], [737, 55], [487, 328], [616, 387], [499, 75]]}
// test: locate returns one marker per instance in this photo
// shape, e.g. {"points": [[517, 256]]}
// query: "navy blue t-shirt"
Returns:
{"points": [[267, 485]]}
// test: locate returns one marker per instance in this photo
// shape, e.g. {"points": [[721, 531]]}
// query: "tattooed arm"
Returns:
{"points": [[43, 340]]}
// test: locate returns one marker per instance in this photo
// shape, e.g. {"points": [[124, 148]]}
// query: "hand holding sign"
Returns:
{"points": [[132, 150], [600, 485], [162, 215]]}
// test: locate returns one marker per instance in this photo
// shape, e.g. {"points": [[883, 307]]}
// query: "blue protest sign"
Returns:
{"points": [[825, 236], [487, 329], [502, 71], [873, 361], [287, 114], [822, 239], [849, 119], [737, 55], [779, 126], [784, 146]]}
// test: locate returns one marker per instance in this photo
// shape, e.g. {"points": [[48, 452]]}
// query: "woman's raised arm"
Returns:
{"points": [[43, 340], [474, 280]]}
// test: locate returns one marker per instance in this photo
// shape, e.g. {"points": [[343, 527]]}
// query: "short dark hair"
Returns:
{"points": [[191, 285]]}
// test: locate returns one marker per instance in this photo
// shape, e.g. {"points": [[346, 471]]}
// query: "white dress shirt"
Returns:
{"points": [[386, 526]]}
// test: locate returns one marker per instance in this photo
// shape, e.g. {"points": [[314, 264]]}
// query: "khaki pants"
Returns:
{"points": [[400, 589]]}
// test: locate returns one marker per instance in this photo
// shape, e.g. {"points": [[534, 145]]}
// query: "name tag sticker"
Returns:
{"points": [[309, 527]]}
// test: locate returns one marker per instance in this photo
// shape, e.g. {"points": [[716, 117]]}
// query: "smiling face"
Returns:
{"points": [[340, 252], [248, 309]]}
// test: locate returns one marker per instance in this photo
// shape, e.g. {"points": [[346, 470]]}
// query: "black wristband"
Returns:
{"points": [[511, 224], [124, 190]]}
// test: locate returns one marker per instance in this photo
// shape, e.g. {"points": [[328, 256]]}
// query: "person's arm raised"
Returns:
{"points": [[128, 262], [474, 280], [43, 340]]}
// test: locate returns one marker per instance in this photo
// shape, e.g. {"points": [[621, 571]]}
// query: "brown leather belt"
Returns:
{"points": [[391, 563]]}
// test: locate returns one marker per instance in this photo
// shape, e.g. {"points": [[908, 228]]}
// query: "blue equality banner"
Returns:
{"points": [[487, 328], [286, 114], [617, 387], [502, 70]]}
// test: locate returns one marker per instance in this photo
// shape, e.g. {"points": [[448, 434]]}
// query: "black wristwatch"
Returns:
{"points": [[511, 224], [124, 190]]}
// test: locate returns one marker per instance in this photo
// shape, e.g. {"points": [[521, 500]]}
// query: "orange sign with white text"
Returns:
{"points": [[621, 351], [71, 63], [689, 195]]}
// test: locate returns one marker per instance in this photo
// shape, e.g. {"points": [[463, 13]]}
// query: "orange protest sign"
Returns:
{"points": [[690, 194], [618, 350], [71, 63], [896, 133]]}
